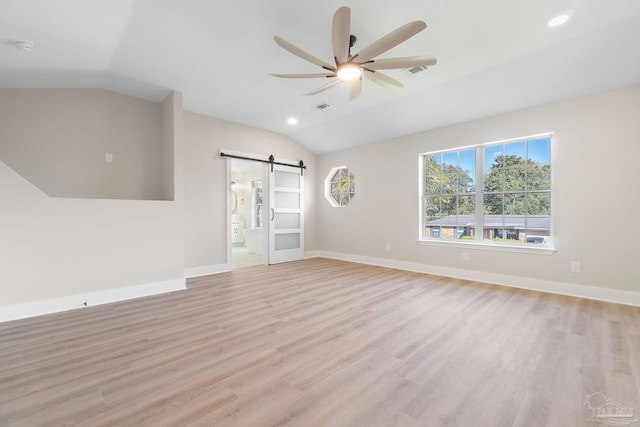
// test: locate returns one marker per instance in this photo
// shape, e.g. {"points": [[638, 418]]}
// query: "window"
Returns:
{"points": [[497, 193], [340, 186]]}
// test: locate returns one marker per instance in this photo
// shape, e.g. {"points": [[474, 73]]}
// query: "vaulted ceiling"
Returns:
{"points": [[493, 56]]}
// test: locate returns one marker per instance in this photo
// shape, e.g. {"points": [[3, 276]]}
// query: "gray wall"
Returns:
{"points": [[596, 197], [58, 138], [53, 249], [205, 183]]}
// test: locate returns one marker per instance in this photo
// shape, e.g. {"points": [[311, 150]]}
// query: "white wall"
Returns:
{"points": [[596, 197], [206, 190], [58, 138], [57, 253]]}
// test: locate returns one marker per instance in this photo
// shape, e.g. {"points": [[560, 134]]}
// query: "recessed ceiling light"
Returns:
{"points": [[292, 121], [560, 19]]}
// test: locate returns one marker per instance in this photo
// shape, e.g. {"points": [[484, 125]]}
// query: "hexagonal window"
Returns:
{"points": [[339, 186]]}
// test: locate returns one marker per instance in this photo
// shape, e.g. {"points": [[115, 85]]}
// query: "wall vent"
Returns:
{"points": [[415, 70]]}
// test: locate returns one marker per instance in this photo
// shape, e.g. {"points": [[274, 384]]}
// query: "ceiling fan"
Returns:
{"points": [[351, 68]]}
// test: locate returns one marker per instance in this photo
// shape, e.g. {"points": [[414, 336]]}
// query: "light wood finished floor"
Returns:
{"points": [[322, 343]]}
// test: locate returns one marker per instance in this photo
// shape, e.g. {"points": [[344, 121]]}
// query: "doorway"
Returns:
{"points": [[248, 234], [266, 211]]}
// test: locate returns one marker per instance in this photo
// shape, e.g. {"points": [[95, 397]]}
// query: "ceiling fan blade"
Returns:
{"points": [[406, 62], [355, 88], [382, 79], [304, 76], [391, 40], [325, 87], [302, 54], [341, 33]]}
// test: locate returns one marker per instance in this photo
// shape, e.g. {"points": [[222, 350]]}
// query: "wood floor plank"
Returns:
{"points": [[322, 343]]}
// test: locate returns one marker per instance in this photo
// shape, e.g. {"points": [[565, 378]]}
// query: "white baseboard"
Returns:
{"points": [[56, 305], [206, 270], [311, 254], [570, 289]]}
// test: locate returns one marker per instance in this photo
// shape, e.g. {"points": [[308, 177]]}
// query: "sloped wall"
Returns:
{"points": [[58, 139]]}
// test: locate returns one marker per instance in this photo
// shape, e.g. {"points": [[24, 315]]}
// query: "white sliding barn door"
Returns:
{"points": [[286, 214]]}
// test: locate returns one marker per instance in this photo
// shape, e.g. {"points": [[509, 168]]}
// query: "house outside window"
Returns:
{"points": [[496, 194]]}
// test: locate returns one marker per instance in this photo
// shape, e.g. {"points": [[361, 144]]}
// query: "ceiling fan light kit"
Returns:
{"points": [[350, 68], [349, 71]]}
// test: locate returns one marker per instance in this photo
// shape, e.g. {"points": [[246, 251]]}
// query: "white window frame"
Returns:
{"points": [[478, 241]]}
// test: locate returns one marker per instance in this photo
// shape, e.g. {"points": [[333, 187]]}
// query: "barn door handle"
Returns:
{"points": [[273, 214]]}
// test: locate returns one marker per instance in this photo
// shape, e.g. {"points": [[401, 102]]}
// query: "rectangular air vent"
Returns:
{"points": [[415, 70]]}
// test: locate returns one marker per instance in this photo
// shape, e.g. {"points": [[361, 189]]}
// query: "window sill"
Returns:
{"points": [[546, 250]]}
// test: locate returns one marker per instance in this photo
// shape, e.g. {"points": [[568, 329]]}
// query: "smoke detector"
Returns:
{"points": [[23, 45]]}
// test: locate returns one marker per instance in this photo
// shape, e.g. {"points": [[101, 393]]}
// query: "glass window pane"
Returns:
{"points": [[533, 237], [467, 183], [515, 149], [494, 181], [539, 203], [515, 178], [466, 205], [433, 186], [449, 160], [494, 204], [468, 233], [514, 204], [432, 208], [491, 154], [431, 168], [468, 161], [448, 206], [450, 185], [494, 221], [539, 150], [538, 177]]}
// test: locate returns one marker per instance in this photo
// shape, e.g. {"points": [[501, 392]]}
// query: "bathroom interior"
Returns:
{"points": [[247, 237]]}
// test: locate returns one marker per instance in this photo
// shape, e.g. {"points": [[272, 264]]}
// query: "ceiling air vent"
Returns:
{"points": [[415, 70], [322, 106]]}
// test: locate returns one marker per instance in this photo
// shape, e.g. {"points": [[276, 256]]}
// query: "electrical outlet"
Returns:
{"points": [[465, 256], [575, 266], [388, 248], [108, 157]]}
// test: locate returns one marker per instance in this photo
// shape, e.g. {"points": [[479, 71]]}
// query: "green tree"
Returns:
{"points": [[448, 189], [515, 186]]}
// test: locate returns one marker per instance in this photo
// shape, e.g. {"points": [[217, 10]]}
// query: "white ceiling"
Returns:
{"points": [[493, 56]]}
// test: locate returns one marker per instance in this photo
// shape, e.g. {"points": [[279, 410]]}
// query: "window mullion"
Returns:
{"points": [[479, 217]]}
